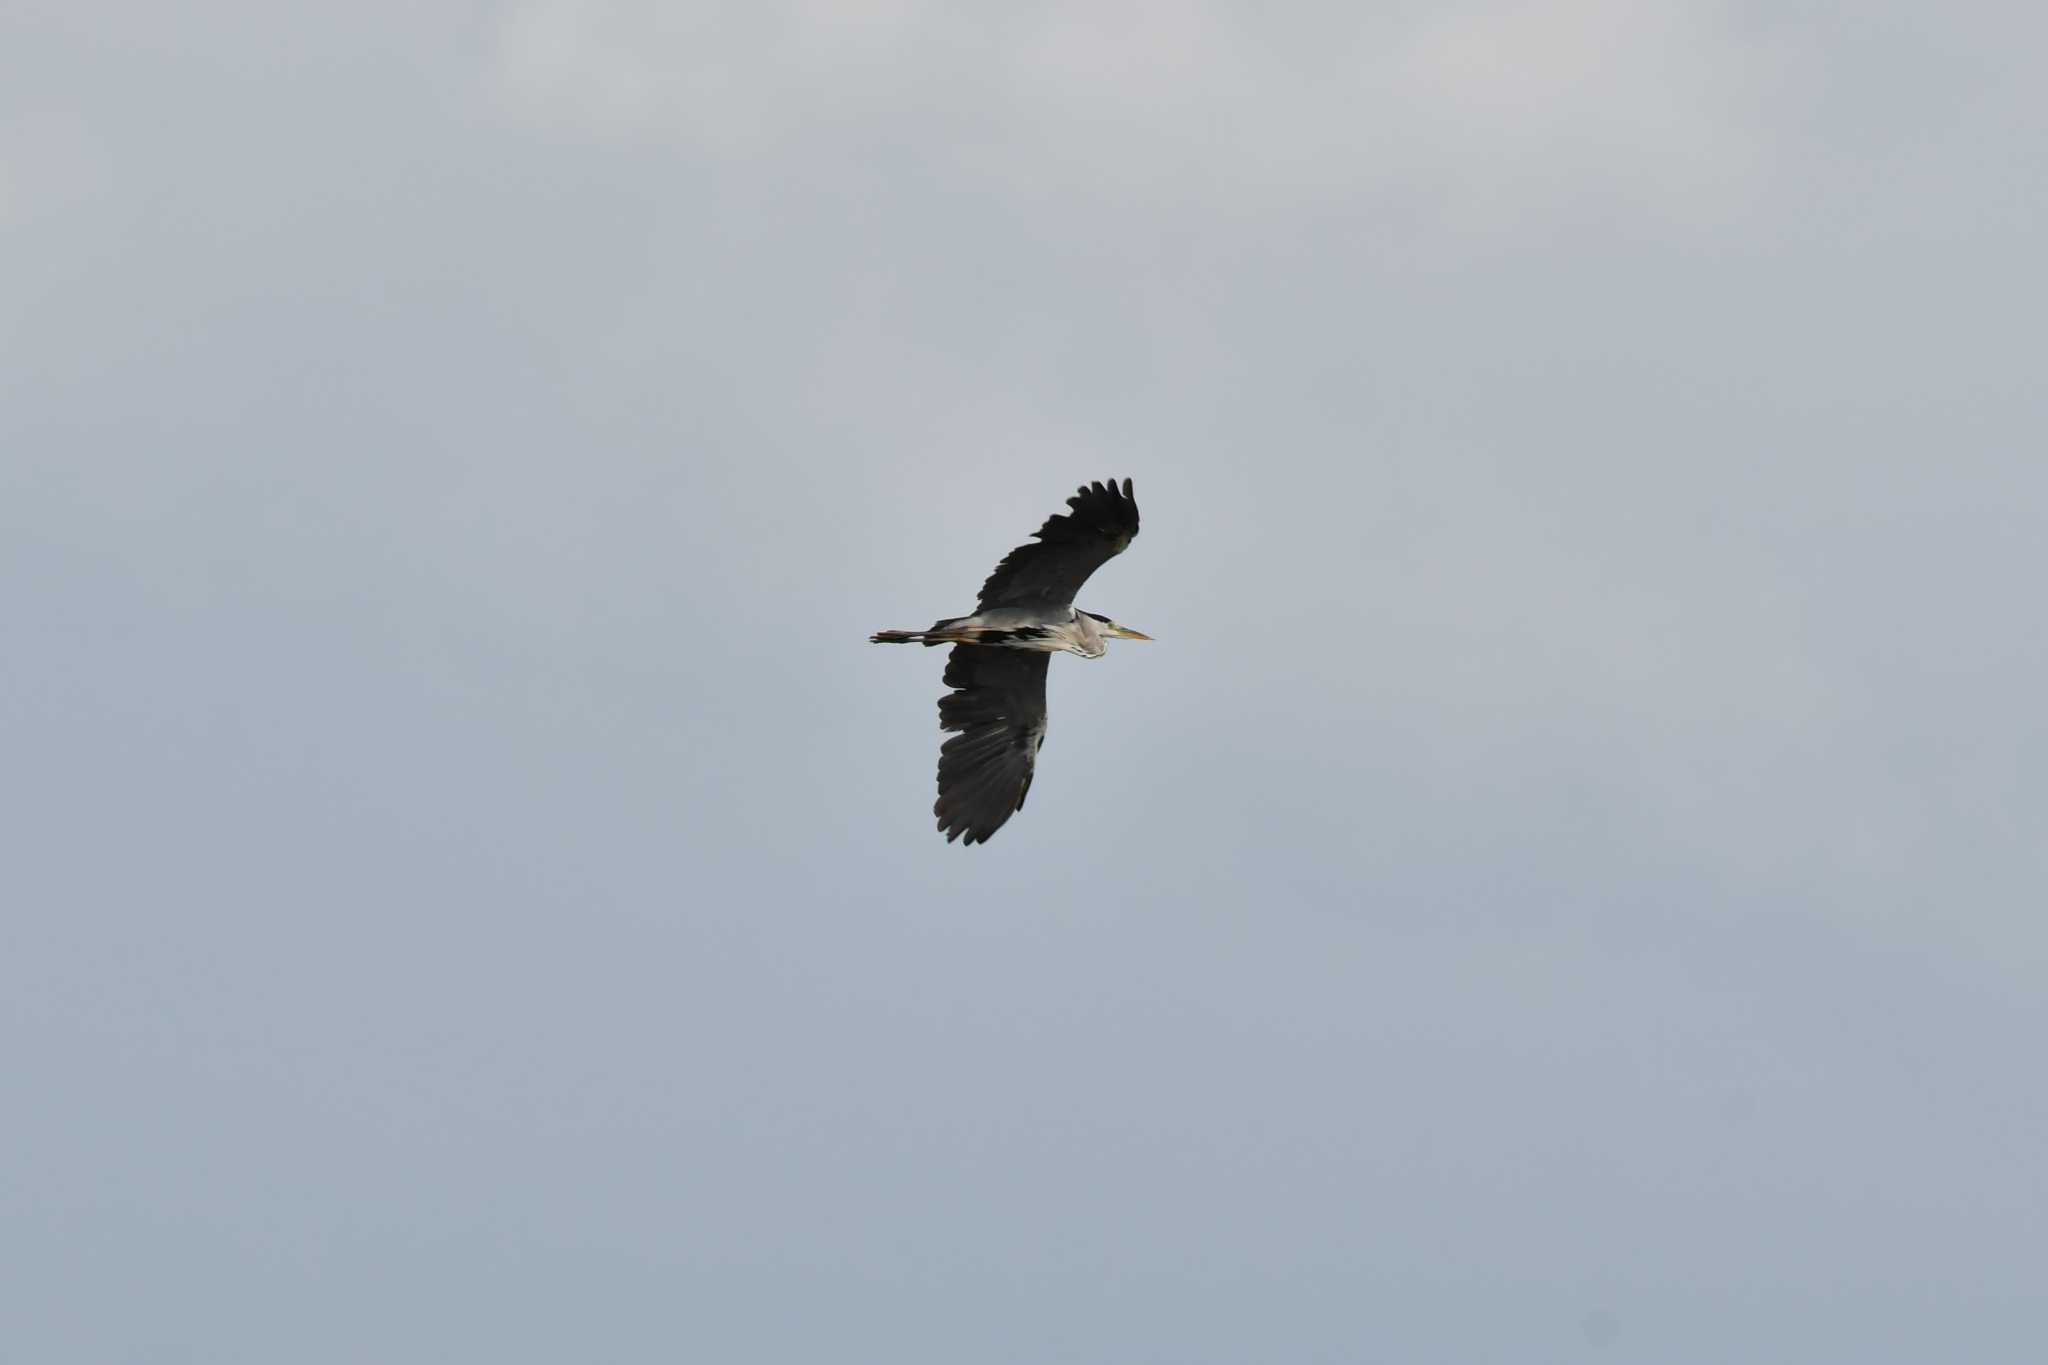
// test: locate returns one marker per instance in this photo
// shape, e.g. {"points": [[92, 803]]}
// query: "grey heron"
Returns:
{"points": [[1024, 616]]}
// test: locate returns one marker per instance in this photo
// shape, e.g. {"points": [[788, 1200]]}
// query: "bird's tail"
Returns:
{"points": [[941, 633], [926, 638]]}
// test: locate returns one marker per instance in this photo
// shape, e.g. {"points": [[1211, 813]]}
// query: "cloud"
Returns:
{"points": [[1482, 111]]}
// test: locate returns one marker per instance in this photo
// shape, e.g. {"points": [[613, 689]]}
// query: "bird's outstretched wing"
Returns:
{"points": [[1069, 547], [999, 711]]}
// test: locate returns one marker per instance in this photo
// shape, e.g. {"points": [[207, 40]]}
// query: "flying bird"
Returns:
{"points": [[1025, 615]]}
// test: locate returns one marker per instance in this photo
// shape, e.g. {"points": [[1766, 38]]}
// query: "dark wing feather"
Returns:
{"points": [[999, 711], [1068, 548]]}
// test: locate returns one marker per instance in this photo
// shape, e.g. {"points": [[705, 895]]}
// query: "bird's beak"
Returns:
{"points": [[1126, 633]]}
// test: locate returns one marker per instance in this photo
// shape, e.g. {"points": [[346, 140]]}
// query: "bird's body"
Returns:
{"points": [[1025, 615], [1052, 630]]}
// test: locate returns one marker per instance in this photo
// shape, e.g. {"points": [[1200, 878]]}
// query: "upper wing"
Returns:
{"points": [[1069, 548], [999, 710]]}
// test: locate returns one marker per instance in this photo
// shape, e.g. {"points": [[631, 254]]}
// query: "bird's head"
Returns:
{"points": [[1113, 630]]}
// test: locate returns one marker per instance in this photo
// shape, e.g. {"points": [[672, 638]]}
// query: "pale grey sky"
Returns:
{"points": [[1567, 885]]}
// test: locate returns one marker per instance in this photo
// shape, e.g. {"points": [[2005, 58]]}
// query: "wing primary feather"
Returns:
{"points": [[997, 715], [1101, 520]]}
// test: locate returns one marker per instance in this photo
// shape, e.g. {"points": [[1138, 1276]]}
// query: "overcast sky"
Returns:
{"points": [[1568, 884]]}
